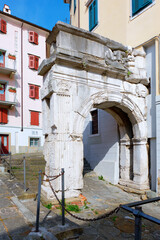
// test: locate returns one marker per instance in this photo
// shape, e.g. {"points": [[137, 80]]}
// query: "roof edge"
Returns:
{"points": [[24, 21]]}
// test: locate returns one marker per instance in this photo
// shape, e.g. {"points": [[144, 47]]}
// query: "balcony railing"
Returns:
{"points": [[8, 100], [8, 65]]}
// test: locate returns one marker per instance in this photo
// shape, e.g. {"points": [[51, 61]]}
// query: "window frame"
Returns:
{"points": [[142, 7], [34, 91], [34, 118], [94, 130], [34, 138], [3, 115], [3, 53], [33, 62], [93, 14], [33, 37], [3, 26]]}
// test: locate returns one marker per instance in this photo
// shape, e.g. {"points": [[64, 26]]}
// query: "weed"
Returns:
{"points": [[101, 178], [95, 212], [129, 73], [85, 205], [73, 208], [49, 206], [114, 218], [16, 168]]}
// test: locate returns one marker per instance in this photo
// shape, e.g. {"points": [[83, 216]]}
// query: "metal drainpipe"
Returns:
{"points": [[22, 77], [79, 13]]}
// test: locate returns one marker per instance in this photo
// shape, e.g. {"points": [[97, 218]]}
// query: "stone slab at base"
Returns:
{"points": [[48, 196], [136, 186], [42, 234]]}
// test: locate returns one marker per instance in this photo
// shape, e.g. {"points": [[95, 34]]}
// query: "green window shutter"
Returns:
{"points": [[93, 14], [138, 5], [70, 4], [145, 2], [135, 6], [75, 6], [90, 17]]}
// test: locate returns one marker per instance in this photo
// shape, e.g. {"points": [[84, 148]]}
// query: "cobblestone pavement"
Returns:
{"points": [[101, 196], [13, 225]]}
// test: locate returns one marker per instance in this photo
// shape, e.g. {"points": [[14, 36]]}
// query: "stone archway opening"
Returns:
{"points": [[107, 143]]}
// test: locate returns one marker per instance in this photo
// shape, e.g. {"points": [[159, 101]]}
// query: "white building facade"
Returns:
{"points": [[22, 48]]}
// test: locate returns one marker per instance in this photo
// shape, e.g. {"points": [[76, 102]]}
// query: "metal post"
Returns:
{"points": [[10, 168], [24, 170], [138, 225], [63, 200], [38, 202]]}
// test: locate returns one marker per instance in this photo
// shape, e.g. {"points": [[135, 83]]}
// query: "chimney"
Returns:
{"points": [[6, 9]]}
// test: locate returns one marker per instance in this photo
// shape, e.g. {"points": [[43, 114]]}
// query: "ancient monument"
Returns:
{"points": [[86, 70]]}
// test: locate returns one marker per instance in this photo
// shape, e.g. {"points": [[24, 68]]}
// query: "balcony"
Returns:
{"points": [[7, 64], [7, 98]]}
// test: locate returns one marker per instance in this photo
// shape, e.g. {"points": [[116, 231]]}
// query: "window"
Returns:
{"points": [[93, 15], [2, 92], [4, 144], [33, 62], [34, 142], [75, 6], [94, 127], [3, 26], [2, 59], [138, 5], [34, 91], [33, 37], [3, 115], [34, 118]]}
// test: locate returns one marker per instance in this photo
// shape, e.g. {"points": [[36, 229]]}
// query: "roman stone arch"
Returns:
{"points": [[87, 71], [140, 163]]}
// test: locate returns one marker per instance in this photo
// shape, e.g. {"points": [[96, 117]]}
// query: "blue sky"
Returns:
{"points": [[44, 13]]}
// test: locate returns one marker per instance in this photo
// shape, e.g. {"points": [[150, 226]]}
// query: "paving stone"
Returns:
{"points": [[5, 202], [8, 212], [89, 237], [2, 229], [108, 231], [4, 237]]}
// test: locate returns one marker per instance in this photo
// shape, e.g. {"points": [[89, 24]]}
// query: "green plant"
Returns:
{"points": [[12, 55], [49, 206], [129, 73], [95, 212], [114, 218], [16, 168], [73, 208], [101, 178], [85, 205], [12, 88]]}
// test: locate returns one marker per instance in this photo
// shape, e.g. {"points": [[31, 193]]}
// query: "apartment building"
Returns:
{"points": [[133, 23], [22, 48]]}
